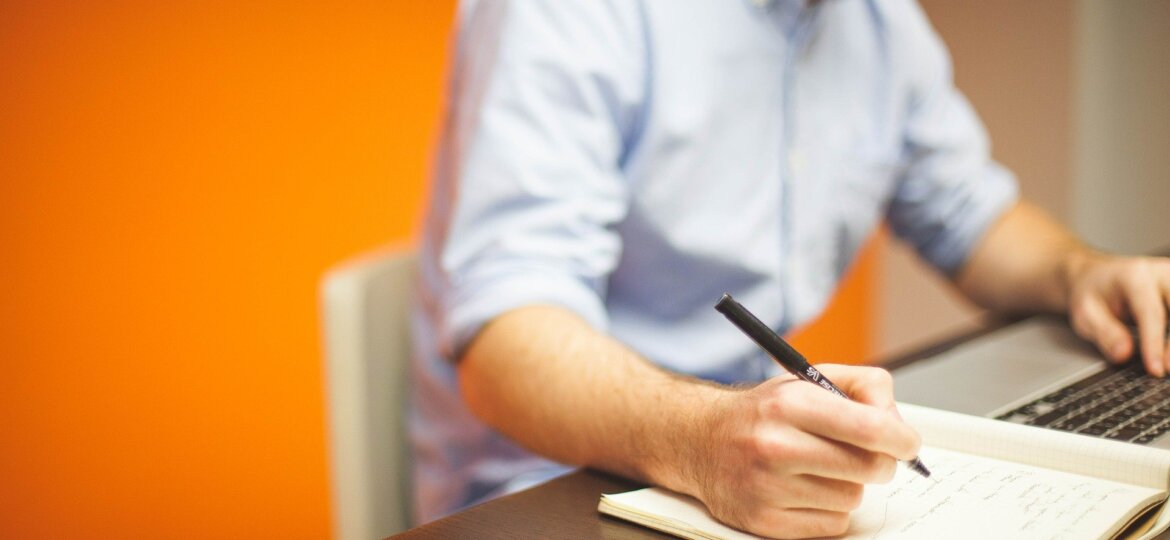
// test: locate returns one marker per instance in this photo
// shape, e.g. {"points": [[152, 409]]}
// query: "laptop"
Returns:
{"points": [[1038, 372]]}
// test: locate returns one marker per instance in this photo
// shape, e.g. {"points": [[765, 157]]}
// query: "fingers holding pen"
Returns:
{"points": [[792, 449], [864, 384], [792, 459], [811, 455], [870, 385], [868, 428]]}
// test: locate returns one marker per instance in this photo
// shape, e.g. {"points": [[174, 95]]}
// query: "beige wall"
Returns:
{"points": [[1121, 195]]}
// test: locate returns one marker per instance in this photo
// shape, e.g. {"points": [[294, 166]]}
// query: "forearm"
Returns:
{"points": [[1025, 262], [543, 377]]}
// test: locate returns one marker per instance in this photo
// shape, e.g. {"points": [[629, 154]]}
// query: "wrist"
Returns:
{"points": [[691, 441]]}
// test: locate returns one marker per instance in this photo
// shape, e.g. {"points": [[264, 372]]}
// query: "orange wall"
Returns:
{"points": [[174, 177], [843, 333]]}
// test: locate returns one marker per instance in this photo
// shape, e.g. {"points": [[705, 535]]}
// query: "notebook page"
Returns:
{"points": [[971, 496], [1113, 460], [669, 512]]}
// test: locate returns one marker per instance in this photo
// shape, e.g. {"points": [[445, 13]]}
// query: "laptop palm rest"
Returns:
{"points": [[997, 371]]}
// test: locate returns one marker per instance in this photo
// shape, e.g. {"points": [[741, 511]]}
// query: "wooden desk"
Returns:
{"points": [[566, 507]]}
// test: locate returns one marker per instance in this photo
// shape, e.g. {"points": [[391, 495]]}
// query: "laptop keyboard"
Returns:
{"points": [[1121, 403]]}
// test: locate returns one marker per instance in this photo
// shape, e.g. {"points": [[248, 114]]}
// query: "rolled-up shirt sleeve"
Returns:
{"points": [[544, 100], [952, 190]]}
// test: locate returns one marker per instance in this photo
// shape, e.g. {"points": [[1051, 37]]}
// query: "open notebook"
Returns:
{"points": [[990, 479]]}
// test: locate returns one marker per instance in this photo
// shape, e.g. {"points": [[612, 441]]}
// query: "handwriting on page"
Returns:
{"points": [[980, 497]]}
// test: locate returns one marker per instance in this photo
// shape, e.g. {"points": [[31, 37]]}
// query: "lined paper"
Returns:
{"points": [[990, 479], [1048, 448], [971, 496]]}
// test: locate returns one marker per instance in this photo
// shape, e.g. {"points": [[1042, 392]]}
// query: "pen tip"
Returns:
{"points": [[917, 466]]}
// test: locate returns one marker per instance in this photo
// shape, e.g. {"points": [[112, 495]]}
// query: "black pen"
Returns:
{"points": [[786, 356]]}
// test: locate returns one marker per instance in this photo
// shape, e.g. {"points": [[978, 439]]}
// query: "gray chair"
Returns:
{"points": [[365, 318]]}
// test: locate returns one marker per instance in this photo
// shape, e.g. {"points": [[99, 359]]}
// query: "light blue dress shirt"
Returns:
{"points": [[631, 161]]}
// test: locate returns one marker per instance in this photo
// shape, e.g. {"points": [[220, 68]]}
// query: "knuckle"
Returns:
{"points": [[874, 379], [1138, 270], [772, 449], [790, 401], [1080, 322], [755, 518], [836, 524], [878, 375], [1079, 306], [852, 496], [777, 402], [882, 469], [772, 406]]}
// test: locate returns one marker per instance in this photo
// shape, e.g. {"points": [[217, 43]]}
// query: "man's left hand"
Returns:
{"points": [[1106, 292]]}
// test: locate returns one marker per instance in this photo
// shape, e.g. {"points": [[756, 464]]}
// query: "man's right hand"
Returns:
{"points": [[784, 458], [787, 459]]}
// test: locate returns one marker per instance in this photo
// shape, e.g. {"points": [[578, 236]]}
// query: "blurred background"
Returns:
{"points": [[176, 176]]}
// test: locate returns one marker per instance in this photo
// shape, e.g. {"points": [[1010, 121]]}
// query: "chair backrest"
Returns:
{"points": [[365, 315]]}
